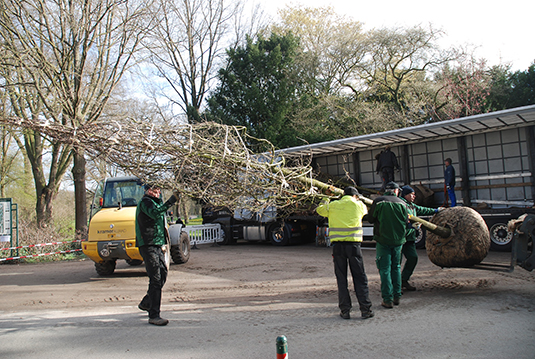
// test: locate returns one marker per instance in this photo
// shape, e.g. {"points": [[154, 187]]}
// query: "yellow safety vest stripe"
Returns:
{"points": [[345, 229], [335, 236]]}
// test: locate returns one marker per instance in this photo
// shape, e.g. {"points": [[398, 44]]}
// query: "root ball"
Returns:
{"points": [[468, 244]]}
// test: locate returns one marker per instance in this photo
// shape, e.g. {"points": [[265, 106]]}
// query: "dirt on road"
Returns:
{"points": [[256, 284]]}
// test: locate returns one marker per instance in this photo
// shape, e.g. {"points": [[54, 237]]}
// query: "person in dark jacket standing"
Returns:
{"points": [[345, 233], [389, 215], [150, 237], [409, 248], [386, 163], [449, 181]]}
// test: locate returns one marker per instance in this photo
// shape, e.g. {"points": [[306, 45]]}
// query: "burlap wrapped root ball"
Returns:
{"points": [[468, 244]]}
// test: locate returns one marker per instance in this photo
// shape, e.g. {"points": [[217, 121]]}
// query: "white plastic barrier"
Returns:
{"points": [[204, 233]]}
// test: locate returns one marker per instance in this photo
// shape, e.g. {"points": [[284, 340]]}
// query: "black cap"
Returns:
{"points": [[392, 185], [351, 191], [405, 190], [148, 186]]}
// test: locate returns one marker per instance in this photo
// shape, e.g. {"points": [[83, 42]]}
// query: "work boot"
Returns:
{"points": [[387, 305], [367, 314], [158, 321], [345, 314], [396, 301], [142, 307], [406, 285]]}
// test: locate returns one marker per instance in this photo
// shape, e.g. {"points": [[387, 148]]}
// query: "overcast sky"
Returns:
{"points": [[501, 31]]}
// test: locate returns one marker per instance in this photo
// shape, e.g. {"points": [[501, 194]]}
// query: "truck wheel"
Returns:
{"points": [[105, 268], [134, 262], [500, 237], [279, 234], [227, 236], [180, 252], [420, 238]]}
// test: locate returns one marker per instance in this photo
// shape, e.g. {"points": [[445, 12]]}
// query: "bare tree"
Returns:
{"points": [[332, 45], [188, 40], [396, 57], [8, 149], [465, 87], [75, 53], [25, 102]]}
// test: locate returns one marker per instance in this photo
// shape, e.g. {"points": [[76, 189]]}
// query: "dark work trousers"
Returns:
{"points": [[409, 251], [157, 271], [387, 174], [345, 253]]}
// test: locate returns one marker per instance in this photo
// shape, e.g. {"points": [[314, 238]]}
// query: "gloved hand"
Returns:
{"points": [[440, 209], [173, 199], [447, 187]]}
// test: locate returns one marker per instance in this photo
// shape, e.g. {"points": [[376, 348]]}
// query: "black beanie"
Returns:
{"points": [[405, 190], [351, 191]]}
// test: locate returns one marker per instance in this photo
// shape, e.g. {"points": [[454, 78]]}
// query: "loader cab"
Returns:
{"points": [[117, 192]]}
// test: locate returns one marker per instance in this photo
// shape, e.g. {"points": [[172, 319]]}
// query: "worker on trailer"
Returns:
{"points": [[449, 181], [386, 163]]}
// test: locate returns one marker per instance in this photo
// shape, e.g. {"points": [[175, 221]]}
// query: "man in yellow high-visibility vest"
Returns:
{"points": [[345, 233]]}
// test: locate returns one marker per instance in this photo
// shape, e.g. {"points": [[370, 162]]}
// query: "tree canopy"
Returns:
{"points": [[257, 87]]}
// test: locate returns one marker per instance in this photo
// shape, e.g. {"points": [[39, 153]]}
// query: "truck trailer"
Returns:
{"points": [[493, 155]]}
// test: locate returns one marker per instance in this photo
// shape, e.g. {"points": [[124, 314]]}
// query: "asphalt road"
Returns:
{"points": [[233, 302]]}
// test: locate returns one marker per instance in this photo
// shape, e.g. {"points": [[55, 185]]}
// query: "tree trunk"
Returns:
{"points": [[44, 205], [185, 211], [78, 172]]}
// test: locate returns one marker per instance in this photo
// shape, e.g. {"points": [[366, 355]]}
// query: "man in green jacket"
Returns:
{"points": [[389, 216], [150, 237], [345, 234], [409, 248]]}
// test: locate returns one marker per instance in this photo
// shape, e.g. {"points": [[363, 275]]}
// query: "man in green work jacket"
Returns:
{"points": [[409, 248], [345, 234], [389, 215], [150, 237]]}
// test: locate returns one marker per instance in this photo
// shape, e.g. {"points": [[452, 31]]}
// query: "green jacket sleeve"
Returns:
{"points": [[155, 210], [424, 211]]}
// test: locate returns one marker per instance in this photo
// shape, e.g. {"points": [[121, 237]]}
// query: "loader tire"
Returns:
{"points": [[134, 262], [180, 252], [105, 268]]}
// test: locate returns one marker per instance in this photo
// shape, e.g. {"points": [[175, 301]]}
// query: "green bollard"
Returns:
{"points": [[282, 347]]}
